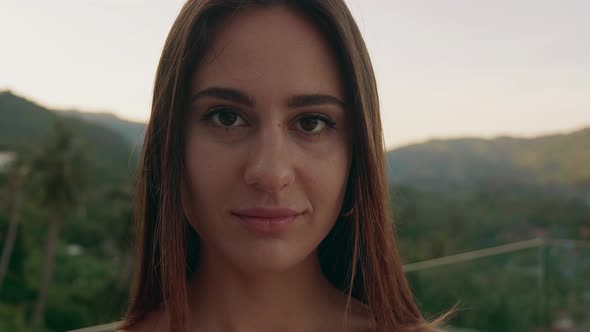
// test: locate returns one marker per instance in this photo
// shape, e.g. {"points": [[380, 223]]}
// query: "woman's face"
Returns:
{"points": [[267, 141]]}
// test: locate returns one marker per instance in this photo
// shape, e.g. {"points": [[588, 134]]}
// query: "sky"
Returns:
{"points": [[445, 68]]}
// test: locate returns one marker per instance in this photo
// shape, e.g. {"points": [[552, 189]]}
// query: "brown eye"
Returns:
{"points": [[224, 117], [314, 124], [227, 118], [309, 124]]}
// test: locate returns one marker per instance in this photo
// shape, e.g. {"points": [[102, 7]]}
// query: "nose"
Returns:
{"points": [[269, 166]]}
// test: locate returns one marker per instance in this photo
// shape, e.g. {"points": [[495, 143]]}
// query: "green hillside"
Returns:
{"points": [[25, 124], [558, 161], [132, 131]]}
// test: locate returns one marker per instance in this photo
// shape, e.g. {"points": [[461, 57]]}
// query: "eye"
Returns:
{"points": [[314, 124], [223, 116], [311, 124]]}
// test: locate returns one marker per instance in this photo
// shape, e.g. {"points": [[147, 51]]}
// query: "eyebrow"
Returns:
{"points": [[314, 100], [226, 94], [239, 97]]}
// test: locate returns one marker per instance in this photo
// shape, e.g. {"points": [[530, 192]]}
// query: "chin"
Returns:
{"points": [[270, 258]]}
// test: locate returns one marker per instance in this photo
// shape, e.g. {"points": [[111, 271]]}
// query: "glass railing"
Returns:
{"points": [[538, 285]]}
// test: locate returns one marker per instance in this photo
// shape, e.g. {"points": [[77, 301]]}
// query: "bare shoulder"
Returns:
{"points": [[363, 321], [156, 321], [424, 328]]}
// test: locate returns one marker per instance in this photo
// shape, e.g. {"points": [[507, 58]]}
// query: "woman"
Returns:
{"points": [[262, 202]]}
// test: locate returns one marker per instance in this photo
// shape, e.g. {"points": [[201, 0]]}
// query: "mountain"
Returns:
{"points": [[555, 161], [132, 131], [25, 124]]}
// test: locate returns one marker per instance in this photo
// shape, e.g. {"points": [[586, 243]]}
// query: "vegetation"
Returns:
{"points": [[68, 204]]}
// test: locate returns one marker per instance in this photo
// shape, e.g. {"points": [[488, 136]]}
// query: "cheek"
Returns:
{"points": [[211, 173], [326, 179]]}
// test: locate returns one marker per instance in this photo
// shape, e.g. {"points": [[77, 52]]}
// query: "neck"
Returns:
{"points": [[298, 299]]}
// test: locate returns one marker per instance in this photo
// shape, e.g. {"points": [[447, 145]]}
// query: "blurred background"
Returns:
{"points": [[486, 112]]}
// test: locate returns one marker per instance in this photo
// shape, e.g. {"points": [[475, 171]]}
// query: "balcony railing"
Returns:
{"points": [[539, 284]]}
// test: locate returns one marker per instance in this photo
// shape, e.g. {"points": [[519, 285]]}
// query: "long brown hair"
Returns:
{"points": [[359, 255]]}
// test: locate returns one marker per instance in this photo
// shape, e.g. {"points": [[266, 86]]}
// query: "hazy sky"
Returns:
{"points": [[445, 68]]}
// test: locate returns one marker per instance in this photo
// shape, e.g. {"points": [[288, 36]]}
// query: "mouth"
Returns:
{"points": [[267, 221], [266, 213]]}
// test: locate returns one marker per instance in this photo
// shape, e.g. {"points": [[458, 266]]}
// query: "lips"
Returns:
{"points": [[267, 221], [266, 213]]}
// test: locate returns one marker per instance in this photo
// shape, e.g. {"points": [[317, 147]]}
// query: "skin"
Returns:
{"points": [[271, 150]]}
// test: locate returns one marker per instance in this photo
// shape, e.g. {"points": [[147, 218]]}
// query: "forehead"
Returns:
{"points": [[269, 50]]}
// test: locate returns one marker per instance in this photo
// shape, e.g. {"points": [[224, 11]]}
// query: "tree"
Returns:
{"points": [[59, 175], [16, 171]]}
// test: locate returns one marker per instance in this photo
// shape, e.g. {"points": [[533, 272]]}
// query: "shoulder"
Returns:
{"points": [[413, 329], [155, 321], [424, 327], [361, 319]]}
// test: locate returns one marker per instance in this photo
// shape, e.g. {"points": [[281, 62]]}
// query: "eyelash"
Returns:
{"points": [[330, 124]]}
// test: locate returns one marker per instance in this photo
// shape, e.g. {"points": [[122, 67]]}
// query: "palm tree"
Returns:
{"points": [[59, 176], [17, 171], [118, 223]]}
